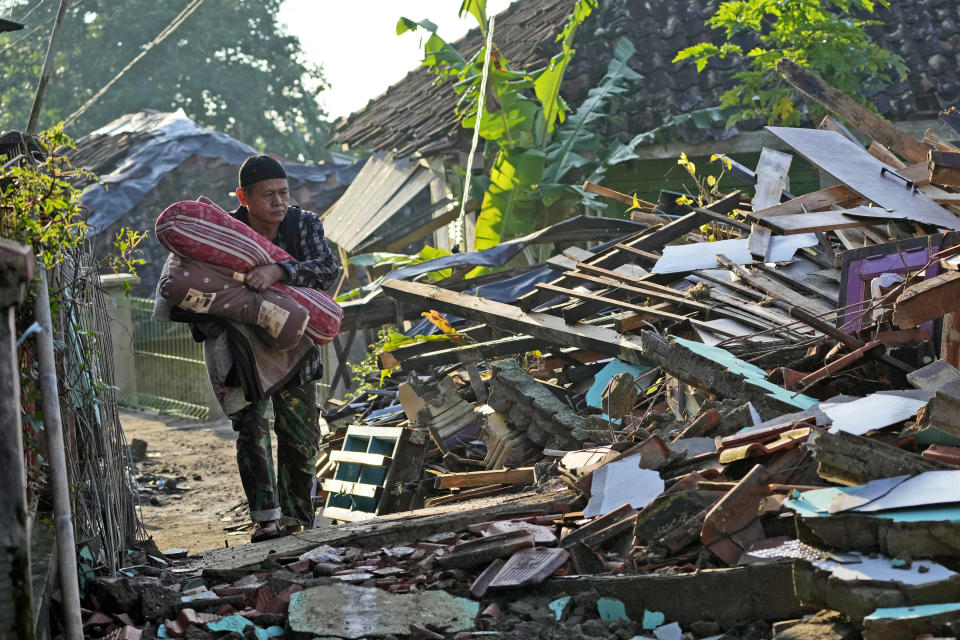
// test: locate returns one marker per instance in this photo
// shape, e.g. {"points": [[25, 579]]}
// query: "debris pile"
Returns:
{"points": [[744, 419]]}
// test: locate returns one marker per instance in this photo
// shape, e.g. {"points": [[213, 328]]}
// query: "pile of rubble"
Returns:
{"points": [[755, 434]]}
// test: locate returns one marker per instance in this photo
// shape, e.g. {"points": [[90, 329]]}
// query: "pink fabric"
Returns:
{"points": [[203, 232]]}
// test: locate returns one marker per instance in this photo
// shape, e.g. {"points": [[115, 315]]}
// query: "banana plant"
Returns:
{"points": [[520, 116]]}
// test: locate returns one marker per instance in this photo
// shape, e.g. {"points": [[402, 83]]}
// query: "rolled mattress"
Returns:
{"points": [[202, 232]]}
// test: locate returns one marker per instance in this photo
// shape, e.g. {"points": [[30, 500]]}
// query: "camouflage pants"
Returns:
{"points": [[287, 492]]}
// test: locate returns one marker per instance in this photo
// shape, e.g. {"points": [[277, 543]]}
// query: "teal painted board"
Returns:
{"points": [[753, 373], [603, 377]]}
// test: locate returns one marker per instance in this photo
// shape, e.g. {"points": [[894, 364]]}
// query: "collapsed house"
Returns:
{"points": [[741, 419]]}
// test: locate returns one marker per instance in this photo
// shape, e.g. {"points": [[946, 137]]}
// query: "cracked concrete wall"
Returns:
{"points": [[530, 407]]}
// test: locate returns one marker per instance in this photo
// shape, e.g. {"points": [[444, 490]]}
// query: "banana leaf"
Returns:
{"points": [[576, 144], [510, 205]]}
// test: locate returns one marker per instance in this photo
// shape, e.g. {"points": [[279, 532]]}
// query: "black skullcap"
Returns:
{"points": [[257, 168]]}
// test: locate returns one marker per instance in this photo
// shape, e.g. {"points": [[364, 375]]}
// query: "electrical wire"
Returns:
{"points": [[35, 7], [36, 29], [181, 17]]}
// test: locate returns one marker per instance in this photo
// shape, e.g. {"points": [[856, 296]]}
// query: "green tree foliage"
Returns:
{"points": [[40, 206], [229, 66], [824, 36]]}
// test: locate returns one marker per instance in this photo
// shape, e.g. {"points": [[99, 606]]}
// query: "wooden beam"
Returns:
{"points": [[951, 116], [613, 257], [543, 326], [590, 187], [637, 287], [839, 195], [862, 118], [773, 288], [469, 479], [360, 457], [471, 352], [944, 168], [351, 488], [885, 156], [928, 300], [818, 221]]}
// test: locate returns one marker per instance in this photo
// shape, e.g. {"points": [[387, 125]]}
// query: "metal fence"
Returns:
{"points": [[170, 374]]}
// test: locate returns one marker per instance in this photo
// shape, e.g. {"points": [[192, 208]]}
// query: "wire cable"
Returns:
{"points": [[27, 14], [181, 17]]}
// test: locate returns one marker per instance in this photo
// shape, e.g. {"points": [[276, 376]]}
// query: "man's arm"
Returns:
{"points": [[319, 269]]}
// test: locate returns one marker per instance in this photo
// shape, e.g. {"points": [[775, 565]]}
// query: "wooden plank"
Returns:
{"points": [[634, 321], [928, 300], [830, 123], [932, 139], [468, 494], [821, 221], [951, 116], [469, 479], [773, 288], [346, 515], [351, 488], [590, 187], [758, 242], [944, 168], [633, 286], [367, 431], [885, 156], [613, 302], [480, 351], [758, 310], [840, 196], [360, 457], [866, 175], [950, 339], [653, 311], [613, 257], [772, 177], [865, 120], [543, 326]]}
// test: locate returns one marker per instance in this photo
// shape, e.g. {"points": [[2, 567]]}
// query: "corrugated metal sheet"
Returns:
{"points": [[379, 191]]}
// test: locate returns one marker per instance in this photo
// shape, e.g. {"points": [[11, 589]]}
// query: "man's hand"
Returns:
{"points": [[260, 278]]}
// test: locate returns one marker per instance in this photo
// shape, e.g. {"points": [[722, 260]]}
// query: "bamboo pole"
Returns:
{"points": [[16, 605], [53, 427]]}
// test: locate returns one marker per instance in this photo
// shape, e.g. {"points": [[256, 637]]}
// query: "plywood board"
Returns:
{"points": [[829, 220]]}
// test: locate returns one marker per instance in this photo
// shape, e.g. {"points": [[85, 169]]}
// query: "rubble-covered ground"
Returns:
{"points": [[187, 480], [741, 421]]}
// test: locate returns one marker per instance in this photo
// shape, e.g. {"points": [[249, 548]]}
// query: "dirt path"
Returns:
{"points": [[204, 455]]}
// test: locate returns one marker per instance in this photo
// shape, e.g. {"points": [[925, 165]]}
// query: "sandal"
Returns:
{"points": [[267, 531]]}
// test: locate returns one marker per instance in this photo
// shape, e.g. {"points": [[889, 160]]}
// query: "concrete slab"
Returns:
{"points": [[346, 611]]}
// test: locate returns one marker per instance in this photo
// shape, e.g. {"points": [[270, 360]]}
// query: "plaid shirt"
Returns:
{"points": [[301, 235]]}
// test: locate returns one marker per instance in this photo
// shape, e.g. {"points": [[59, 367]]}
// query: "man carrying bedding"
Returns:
{"points": [[280, 503]]}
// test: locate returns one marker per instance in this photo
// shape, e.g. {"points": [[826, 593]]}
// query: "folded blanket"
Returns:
{"points": [[205, 233], [205, 288]]}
